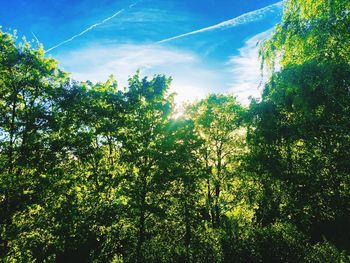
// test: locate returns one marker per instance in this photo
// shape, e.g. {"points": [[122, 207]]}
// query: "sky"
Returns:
{"points": [[206, 46]]}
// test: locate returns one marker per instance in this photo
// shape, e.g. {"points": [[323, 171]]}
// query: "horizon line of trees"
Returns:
{"points": [[90, 172]]}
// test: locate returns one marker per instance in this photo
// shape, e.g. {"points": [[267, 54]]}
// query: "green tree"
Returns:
{"points": [[298, 133], [309, 31], [27, 85], [218, 123], [147, 178]]}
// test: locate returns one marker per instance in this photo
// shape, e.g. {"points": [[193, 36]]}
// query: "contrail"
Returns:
{"points": [[90, 28], [36, 39], [240, 20]]}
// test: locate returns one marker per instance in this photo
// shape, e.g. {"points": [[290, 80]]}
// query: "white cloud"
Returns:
{"points": [[245, 69], [191, 78]]}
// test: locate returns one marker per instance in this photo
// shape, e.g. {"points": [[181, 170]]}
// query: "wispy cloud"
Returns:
{"points": [[90, 28], [192, 78], [245, 69], [246, 18]]}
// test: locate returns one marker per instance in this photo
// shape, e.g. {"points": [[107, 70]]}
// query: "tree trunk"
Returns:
{"points": [[141, 237], [12, 133], [187, 215], [217, 205], [142, 219], [217, 189], [188, 234], [7, 216]]}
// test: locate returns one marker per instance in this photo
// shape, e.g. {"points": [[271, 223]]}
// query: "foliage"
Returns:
{"points": [[325, 252], [91, 172]]}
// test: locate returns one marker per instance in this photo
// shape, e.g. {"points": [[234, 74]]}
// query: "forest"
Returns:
{"points": [[94, 172]]}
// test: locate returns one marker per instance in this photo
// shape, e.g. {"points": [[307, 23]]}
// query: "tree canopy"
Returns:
{"points": [[94, 172]]}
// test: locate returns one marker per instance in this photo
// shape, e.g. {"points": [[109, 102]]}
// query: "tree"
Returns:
{"points": [[147, 178], [298, 133], [218, 122], [27, 84], [317, 31], [301, 139]]}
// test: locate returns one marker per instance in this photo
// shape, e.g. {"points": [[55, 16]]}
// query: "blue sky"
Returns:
{"points": [[122, 36]]}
